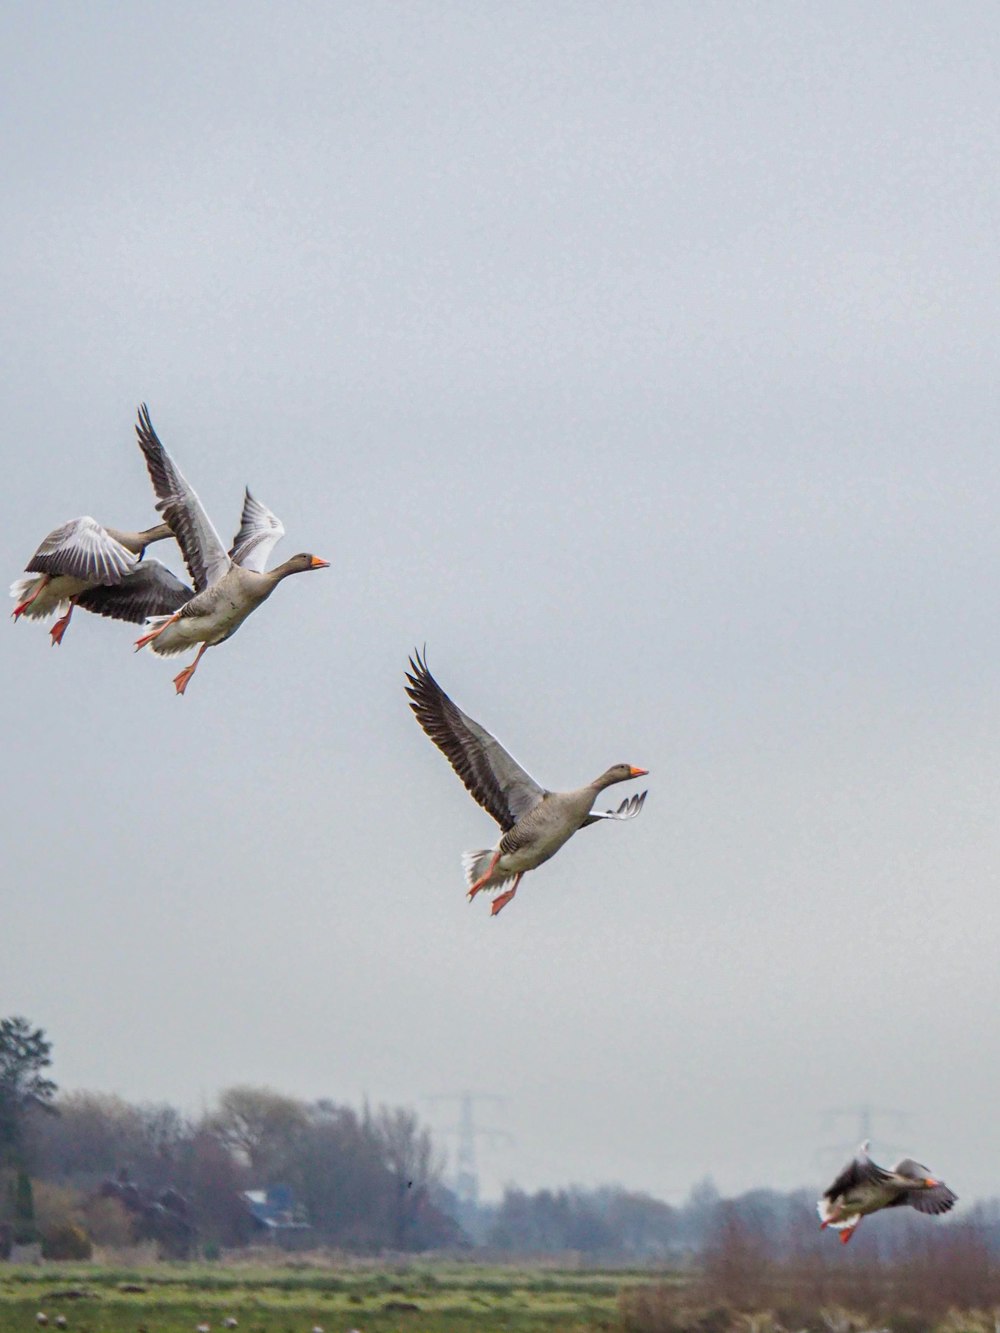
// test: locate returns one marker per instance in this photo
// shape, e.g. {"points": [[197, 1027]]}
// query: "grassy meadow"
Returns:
{"points": [[352, 1296], [175, 1298]]}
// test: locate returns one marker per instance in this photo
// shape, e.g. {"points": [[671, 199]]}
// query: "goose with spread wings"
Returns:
{"points": [[82, 563], [228, 585], [534, 822], [863, 1187]]}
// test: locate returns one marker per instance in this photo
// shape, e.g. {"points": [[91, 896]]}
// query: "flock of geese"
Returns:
{"points": [[106, 571]]}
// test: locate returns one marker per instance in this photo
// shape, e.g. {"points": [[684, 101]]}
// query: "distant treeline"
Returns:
{"points": [[364, 1180], [371, 1180], [83, 1169]]}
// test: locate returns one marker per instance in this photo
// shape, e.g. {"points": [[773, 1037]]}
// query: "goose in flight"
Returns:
{"points": [[863, 1187], [228, 585], [100, 569], [534, 822]]}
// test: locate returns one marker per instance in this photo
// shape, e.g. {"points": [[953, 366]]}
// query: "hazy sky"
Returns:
{"points": [[642, 359]]}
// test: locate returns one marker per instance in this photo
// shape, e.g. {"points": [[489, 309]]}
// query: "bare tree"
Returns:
{"points": [[261, 1125], [409, 1158]]}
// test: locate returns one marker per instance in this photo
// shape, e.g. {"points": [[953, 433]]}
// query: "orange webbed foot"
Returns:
{"points": [[182, 678], [501, 901], [58, 630]]}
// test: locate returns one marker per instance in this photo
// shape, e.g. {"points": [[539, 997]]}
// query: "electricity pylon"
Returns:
{"points": [[467, 1131]]}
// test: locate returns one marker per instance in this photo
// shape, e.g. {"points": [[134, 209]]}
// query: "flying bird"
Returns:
{"points": [[100, 569], [534, 822], [228, 585], [863, 1187]]}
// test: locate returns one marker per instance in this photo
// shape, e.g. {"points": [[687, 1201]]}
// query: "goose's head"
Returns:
{"points": [[620, 773], [917, 1176], [300, 563]]}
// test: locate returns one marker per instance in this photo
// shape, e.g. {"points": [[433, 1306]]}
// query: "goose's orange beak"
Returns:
{"points": [[317, 563], [638, 772], [930, 1182]]}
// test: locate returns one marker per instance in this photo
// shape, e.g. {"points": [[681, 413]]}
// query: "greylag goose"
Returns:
{"points": [[228, 585], [100, 569], [863, 1187], [534, 822]]}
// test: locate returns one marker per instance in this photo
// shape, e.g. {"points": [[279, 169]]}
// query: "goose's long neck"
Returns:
{"points": [[136, 542], [274, 576]]}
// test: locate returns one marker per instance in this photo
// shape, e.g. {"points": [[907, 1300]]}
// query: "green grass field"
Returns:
{"points": [[175, 1298]]}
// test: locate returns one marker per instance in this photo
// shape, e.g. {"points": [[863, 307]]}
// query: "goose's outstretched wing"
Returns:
{"points": [[938, 1199], [629, 808], [260, 531], [148, 590], [491, 775], [204, 554], [860, 1171], [82, 549]]}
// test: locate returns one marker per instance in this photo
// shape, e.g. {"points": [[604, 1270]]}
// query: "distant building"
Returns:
{"points": [[276, 1215]]}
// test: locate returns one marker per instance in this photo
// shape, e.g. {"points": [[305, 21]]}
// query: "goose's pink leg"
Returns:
{"points": [[153, 634], [483, 879], [847, 1233], [62, 624], [502, 899], [182, 677], [21, 607]]}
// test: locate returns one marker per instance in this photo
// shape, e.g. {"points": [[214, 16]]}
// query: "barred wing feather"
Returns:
{"points": [[82, 549], [260, 531], [938, 1199], [629, 808], [204, 554], [491, 776], [149, 590]]}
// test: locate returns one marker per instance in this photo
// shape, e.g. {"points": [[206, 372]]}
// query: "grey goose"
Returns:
{"points": [[228, 585], [534, 822], [863, 1187], [81, 563]]}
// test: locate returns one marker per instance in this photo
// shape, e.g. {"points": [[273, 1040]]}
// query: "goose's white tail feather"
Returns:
{"points": [[43, 605], [827, 1211], [166, 644], [476, 864]]}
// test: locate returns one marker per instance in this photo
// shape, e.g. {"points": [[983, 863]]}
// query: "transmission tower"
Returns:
{"points": [[466, 1130], [865, 1116]]}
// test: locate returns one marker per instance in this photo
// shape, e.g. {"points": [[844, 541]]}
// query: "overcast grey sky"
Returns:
{"points": [[642, 360]]}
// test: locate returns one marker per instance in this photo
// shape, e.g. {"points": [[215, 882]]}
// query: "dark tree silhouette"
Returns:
{"points": [[23, 1055]]}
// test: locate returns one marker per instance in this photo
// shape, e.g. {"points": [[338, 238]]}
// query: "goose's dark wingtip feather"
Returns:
{"points": [[145, 425], [422, 686], [418, 661]]}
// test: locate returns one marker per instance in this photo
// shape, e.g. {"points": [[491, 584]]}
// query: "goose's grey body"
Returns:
{"points": [[863, 1187], [82, 563], [535, 822], [228, 585]]}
